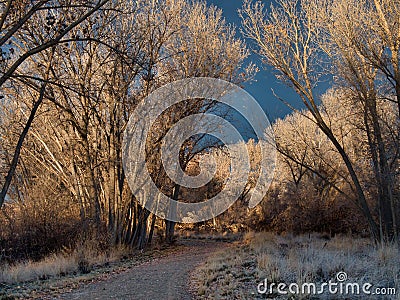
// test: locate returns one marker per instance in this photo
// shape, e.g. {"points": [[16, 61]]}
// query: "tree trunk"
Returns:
{"points": [[170, 225], [151, 233], [362, 201], [383, 177], [18, 148]]}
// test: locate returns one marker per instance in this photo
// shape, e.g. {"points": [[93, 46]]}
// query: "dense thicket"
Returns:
{"points": [[73, 72], [69, 178], [355, 45]]}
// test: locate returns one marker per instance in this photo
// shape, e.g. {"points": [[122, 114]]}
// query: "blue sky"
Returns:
{"points": [[261, 89]]}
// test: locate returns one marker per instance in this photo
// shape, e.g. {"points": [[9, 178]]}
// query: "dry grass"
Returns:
{"points": [[235, 274], [72, 269], [80, 260], [54, 265]]}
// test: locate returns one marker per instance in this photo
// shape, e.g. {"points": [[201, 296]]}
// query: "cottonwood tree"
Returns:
{"points": [[203, 46], [28, 28], [311, 179], [300, 39], [95, 79], [372, 84]]}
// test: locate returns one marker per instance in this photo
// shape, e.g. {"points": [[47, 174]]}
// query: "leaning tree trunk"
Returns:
{"points": [[18, 148]]}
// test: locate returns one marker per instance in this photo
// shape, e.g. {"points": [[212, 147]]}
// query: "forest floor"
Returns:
{"points": [[231, 268], [251, 268], [163, 274]]}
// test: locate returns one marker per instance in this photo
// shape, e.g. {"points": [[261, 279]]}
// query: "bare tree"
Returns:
{"points": [[98, 73], [27, 29], [300, 39]]}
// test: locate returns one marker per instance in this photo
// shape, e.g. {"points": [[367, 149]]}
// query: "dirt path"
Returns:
{"points": [[164, 278]]}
